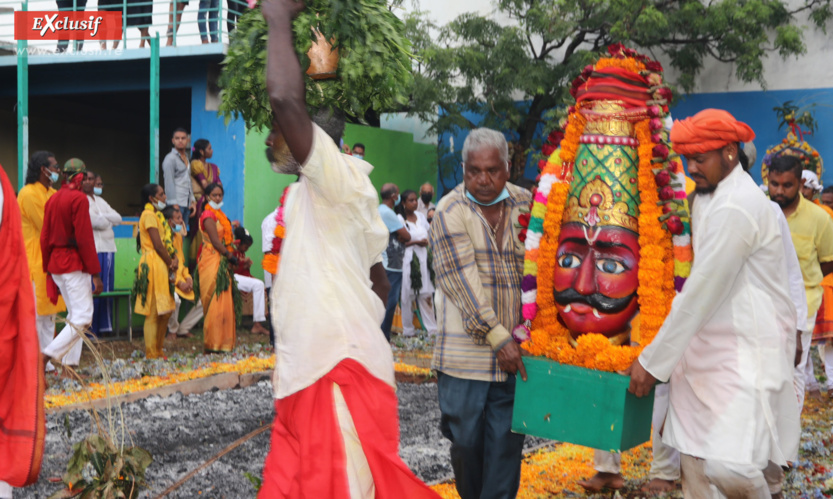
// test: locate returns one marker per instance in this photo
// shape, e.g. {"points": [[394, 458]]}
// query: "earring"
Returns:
{"points": [[730, 157]]}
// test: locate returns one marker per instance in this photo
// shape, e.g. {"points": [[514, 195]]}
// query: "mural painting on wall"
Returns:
{"points": [[608, 242]]}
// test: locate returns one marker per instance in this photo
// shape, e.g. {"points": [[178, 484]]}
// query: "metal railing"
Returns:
{"points": [[196, 22]]}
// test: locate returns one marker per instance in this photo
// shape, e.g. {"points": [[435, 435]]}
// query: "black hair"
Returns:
{"points": [[209, 189], [359, 144], [827, 190], [387, 193], [744, 159], [786, 162], [149, 190], [200, 145], [242, 235], [37, 161], [331, 121], [400, 210], [168, 212], [180, 129]]}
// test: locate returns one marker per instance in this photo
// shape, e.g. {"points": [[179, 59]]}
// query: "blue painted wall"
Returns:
{"points": [[229, 148], [755, 109]]}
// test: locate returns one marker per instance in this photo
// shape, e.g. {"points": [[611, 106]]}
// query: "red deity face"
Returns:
{"points": [[596, 278]]}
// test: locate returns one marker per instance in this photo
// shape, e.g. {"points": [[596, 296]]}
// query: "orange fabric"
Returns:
{"points": [[219, 326], [22, 423], [708, 130], [307, 456], [824, 207], [270, 263]]}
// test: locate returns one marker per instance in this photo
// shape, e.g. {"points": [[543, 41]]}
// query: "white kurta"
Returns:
{"points": [[103, 218], [418, 232], [724, 343], [323, 307]]}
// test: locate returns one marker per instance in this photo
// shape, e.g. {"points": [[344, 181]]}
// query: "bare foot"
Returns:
{"points": [[659, 486], [815, 394], [601, 481], [170, 336], [185, 335], [778, 496], [259, 329]]}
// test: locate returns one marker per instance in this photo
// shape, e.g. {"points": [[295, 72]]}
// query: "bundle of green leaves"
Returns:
{"points": [[374, 70]]}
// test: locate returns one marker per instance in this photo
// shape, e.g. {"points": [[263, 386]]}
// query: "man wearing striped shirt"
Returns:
{"points": [[478, 263]]}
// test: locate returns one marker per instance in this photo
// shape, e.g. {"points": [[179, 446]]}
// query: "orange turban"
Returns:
{"points": [[708, 130]]}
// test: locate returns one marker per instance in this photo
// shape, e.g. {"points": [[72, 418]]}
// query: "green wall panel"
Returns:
{"points": [[395, 156]]}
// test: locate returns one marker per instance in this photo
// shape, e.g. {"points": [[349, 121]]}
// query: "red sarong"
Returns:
{"points": [[307, 456], [22, 424]]}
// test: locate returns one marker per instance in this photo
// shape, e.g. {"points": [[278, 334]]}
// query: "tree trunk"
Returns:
{"points": [[526, 132]]}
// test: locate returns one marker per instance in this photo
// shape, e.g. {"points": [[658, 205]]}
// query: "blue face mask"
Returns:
{"points": [[500, 197], [358, 156], [216, 206], [177, 228], [54, 176], [97, 191], [398, 200]]}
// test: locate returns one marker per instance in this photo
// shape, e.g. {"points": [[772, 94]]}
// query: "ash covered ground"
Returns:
{"points": [[183, 432]]}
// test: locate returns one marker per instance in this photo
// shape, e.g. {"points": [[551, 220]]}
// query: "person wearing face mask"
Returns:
{"points": [[184, 283], [154, 298], [394, 255], [218, 289], [40, 175], [358, 150], [70, 260], [103, 219], [426, 194]]}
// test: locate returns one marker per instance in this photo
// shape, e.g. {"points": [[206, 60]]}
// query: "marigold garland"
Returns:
{"points": [[664, 230], [222, 219]]}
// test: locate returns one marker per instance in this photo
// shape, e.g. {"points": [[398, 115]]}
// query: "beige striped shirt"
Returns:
{"points": [[478, 298]]}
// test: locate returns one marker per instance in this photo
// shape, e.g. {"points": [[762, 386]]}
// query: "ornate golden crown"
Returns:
{"points": [[596, 206]]}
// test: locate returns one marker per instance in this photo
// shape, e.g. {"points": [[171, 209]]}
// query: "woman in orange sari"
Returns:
{"points": [[218, 289]]}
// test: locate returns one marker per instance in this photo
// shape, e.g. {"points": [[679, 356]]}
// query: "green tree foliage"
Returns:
{"points": [[477, 66], [374, 71]]}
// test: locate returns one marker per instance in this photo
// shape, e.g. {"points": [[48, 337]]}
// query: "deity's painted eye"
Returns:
{"points": [[569, 261], [609, 266]]}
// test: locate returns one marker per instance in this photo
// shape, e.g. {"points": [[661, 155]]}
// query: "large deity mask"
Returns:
{"points": [[596, 274], [609, 233]]}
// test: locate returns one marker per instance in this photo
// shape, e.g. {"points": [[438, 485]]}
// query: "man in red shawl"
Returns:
{"points": [[22, 424], [70, 258]]}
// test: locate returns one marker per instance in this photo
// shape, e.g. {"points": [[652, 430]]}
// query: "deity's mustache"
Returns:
{"points": [[598, 301]]}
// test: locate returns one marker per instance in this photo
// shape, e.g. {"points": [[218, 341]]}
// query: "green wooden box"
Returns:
{"points": [[580, 406]]}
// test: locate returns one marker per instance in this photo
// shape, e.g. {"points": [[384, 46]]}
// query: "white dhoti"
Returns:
{"points": [[258, 291], [712, 479], [46, 329], [78, 296], [191, 318], [800, 377], [5, 490]]}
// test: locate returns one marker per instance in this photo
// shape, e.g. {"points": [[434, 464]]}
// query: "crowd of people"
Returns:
{"points": [[733, 350]]}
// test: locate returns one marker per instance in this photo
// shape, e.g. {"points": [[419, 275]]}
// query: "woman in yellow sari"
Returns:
{"points": [[153, 288], [218, 289]]}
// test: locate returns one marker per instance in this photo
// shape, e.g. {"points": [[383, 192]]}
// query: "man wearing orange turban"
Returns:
{"points": [[724, 346], [706, 133]]}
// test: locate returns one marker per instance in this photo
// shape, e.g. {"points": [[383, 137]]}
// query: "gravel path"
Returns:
{"points": [[184, 432]]}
